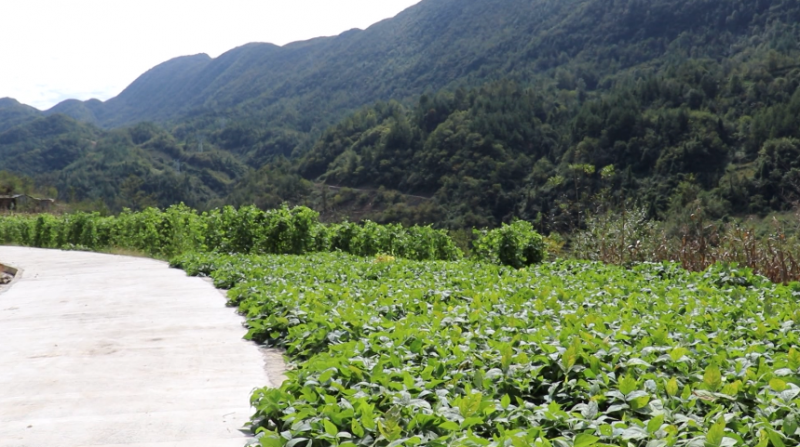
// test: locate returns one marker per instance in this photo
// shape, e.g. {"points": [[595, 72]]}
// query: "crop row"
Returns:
{"points": [[392, 352], [180, 229]]}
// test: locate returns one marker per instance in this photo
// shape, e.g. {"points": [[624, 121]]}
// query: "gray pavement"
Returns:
{"points": [[102, 350]]}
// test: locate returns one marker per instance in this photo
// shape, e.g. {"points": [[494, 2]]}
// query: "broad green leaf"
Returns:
{"points": [[368, 421], [327, 375], [686, 393], [470, 422], [615, 408], [672, 386], [712, 378], [408, 380], [733, 388], [794, 359], [389, 429], [790, 425], [450, 426], [330, 428], [777, 385], [505, 401], [678, 353], [585, 440], [270, 441], [655, 424], [627, 385], [506, 355], [639, 402], [569, 358], [716, 434], [356, 428], [470, 404], [775, 438]]}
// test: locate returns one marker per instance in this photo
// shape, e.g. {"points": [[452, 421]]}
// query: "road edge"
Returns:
{"points": [[13, 271]]}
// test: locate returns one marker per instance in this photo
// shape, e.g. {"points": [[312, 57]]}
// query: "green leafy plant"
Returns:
{"points": [[516, 245]]}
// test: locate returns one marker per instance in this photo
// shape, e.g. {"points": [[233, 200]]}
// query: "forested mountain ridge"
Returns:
{"points": [[133, 167], [708, 122], [437, 43], [12, 113], [505, 108]]}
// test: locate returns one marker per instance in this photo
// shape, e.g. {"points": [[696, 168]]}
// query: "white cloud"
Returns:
{"points": [[55, 49]]}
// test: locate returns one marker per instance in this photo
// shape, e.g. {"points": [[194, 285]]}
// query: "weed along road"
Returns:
{"points": [[102, 350]]}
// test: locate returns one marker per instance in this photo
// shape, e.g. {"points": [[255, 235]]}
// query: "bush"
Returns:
{"points": [[247, 230], [516, 245]]}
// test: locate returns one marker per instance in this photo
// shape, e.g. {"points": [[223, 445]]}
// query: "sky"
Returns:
{"points": [[52, 50]]}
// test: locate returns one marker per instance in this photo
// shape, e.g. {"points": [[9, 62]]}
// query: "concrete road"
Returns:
{"points": [[101, 350]]}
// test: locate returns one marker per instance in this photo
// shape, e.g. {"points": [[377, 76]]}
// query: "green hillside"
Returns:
{"points": [[133, 167], [12, 113], [476, 111], [439, 43]]}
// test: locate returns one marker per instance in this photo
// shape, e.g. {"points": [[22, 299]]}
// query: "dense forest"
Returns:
{"points": [[133, 167], [700, 134], [462, 113]]}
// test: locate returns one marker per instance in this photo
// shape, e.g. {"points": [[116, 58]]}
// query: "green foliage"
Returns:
{"points": [[370, 239], [135, 168], [778, 172], [11, 184], [563, 354], [516, 245], [180, 229]]}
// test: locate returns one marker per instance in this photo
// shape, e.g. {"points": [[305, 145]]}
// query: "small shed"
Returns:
{"points": [[25, 202], [9, 202]]}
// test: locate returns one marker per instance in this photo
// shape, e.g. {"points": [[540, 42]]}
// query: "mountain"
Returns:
{"points": [[440, 43], [84, 111], [133, 167], [12, 113], [503, 108], [704, 121]]}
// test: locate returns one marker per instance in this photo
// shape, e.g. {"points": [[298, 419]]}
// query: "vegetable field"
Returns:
{"points": [[393, 352], [396, 339]]}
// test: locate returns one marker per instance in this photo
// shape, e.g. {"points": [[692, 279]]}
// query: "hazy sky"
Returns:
{"points": [[51, 50]]}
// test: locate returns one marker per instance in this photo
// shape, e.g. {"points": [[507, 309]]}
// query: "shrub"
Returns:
{"points": [[516, 245]]}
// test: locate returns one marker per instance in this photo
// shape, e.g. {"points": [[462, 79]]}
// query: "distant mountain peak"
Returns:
{"points": [[9, 102]]}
